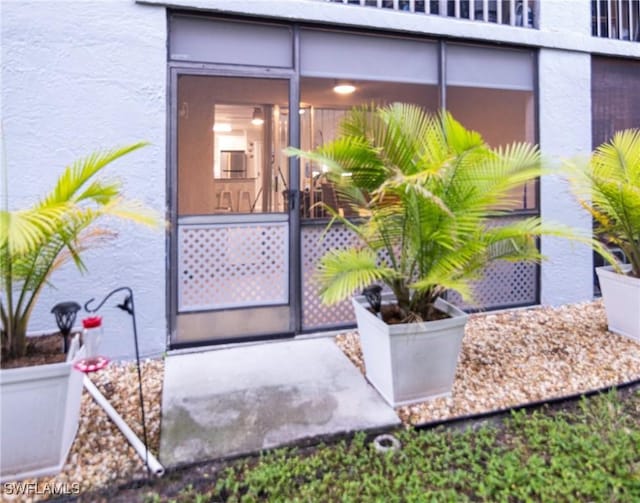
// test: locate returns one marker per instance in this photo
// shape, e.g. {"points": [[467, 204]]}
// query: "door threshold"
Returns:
{"points": [[199, 347], [225, 343]]}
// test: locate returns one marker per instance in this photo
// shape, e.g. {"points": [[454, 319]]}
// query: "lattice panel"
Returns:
{"points": [[239, 265], [504, 284], [314, 245]]}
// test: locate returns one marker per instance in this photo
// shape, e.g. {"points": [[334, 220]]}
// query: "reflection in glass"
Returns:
{"points": [[322, 109], [502, 116], [231, 133]]}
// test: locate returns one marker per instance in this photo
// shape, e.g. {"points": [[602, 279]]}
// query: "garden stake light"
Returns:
{"points": [[373, 294], [65, 313], [128, 306]]}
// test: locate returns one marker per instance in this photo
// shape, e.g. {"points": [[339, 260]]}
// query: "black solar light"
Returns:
{"points": [[65, 313], [373, 294]]}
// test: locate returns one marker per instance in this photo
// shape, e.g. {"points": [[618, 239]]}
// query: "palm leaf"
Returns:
{"points": [[34, 242], [343, 272], [25, 230], [81, 171], [608, 186], [431, 187]]}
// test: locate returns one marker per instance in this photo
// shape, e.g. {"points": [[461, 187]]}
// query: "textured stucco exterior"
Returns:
{"points": [[564, 106], [566, 19], [565, 132], [78, 76]]}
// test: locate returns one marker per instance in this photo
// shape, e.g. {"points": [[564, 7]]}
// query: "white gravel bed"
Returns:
{"points": [[100, 455], [523, 356]]}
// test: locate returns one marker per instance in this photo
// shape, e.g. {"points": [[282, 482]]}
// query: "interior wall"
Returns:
{"points": [[502, 116], [195, 149], [319, 93], [199, 99]]}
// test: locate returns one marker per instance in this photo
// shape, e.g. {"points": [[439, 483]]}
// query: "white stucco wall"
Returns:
{"points": [[565, 132], [564, 17], [77, 76]]}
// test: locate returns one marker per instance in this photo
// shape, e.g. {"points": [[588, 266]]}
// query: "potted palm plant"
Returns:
{"points": [[608, 186], [429, 187], [40, 404]]}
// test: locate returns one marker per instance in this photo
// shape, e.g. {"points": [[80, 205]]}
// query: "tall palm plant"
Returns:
{"points": [[608, 187], [429, 187], [34, 242]]}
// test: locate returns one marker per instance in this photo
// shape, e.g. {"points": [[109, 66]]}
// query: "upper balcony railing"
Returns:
{"points": [[618, 19], [508, 12]]}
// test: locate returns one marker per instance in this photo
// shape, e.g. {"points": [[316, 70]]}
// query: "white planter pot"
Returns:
{"points": [[39, 417], [621, 294], [412, 362]]}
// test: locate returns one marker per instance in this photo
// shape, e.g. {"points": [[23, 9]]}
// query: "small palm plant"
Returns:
{"points": [[608, 187], [34, 242], [429, 187]]}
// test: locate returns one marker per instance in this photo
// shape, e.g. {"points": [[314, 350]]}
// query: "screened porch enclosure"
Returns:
{"points": [[233, 229], [231, 133], [249, 221]]}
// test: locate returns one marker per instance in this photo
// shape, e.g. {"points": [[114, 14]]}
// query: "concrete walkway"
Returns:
{"points": [[244, 399]]}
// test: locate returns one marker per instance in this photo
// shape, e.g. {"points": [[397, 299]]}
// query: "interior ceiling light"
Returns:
{"points": [[258, 118], [344, 88], [222, 127]]}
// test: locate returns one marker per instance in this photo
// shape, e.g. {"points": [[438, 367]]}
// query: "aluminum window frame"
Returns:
{"points": [[176, 70]]}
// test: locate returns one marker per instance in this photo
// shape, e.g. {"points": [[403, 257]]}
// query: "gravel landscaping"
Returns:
{"points": [[507, 359], [100, 455], [524, 356]]}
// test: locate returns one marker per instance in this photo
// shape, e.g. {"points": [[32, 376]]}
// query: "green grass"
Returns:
{"points": [[591, 453]]}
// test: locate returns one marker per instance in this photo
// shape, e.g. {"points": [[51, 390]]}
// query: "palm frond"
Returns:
{"points": [[24, 230], [341, 273], [75, 176], [431, 187], [34, 242], [133, 211], [608, 186]]}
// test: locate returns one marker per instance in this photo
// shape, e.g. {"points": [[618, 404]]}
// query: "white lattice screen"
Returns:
{"points": [[504, 284], [243, 265], [232, 265], [315, 245]]}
